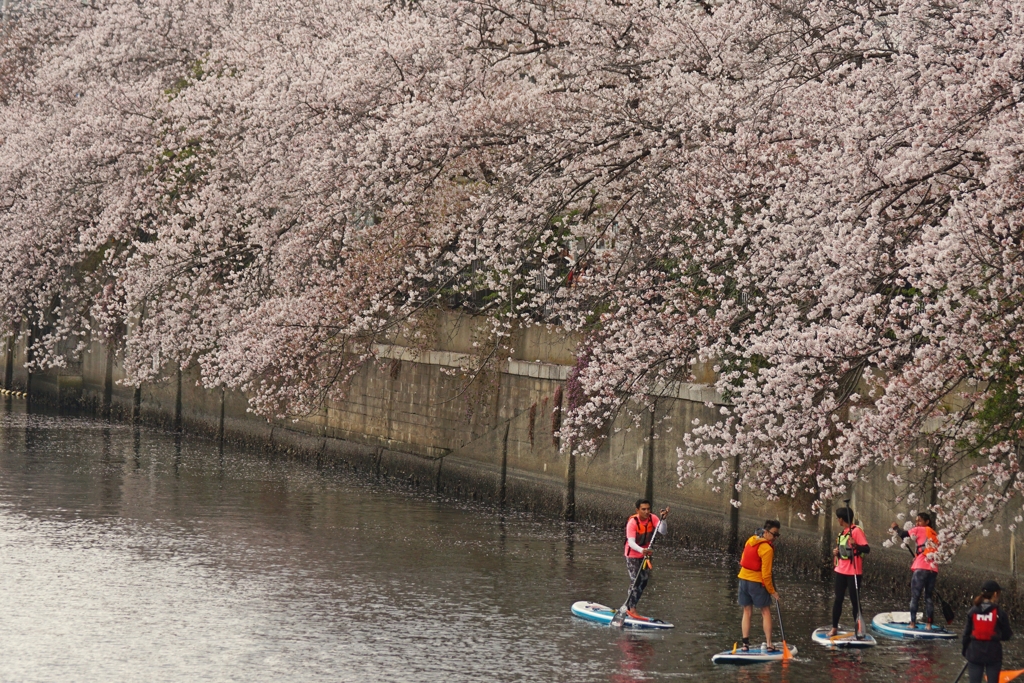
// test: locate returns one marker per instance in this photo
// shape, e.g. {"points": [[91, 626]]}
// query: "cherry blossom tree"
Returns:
{"points": [[80, 145], [820, 199]]}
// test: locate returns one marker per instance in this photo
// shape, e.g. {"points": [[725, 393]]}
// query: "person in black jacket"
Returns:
{"points": [[987, 627]]}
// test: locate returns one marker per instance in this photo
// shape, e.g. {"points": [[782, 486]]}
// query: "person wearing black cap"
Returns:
{"points": [[987, 626]]}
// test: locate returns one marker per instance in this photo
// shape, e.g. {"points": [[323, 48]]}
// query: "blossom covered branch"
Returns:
{"points": [[821, 199]]}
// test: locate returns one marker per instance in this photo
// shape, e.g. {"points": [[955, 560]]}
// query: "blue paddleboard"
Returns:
{"points": [[592, 611], [897, 625]]}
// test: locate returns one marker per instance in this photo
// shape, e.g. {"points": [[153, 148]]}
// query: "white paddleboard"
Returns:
{"points": [[846, 638], [592, 611], [897, 625], [754, 656]]}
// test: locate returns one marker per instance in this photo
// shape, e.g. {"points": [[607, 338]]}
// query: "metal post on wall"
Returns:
{"points": [[220, 425], [569, 511], [649, 484], [826, 541], [733, 544], [29, 357], [108, 381], [177, 404], [1013, 554], [137, 405], [9, 369], [502, 489]]}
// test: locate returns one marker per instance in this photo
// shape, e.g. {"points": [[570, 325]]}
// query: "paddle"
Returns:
{"points": [[1004, 676], [620, 616], [860, 619], [947, 609], [786, 654]]}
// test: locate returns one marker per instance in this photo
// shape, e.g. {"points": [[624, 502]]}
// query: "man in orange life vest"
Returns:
{"points": [[756, 587], [925, 571], [640, 530]]}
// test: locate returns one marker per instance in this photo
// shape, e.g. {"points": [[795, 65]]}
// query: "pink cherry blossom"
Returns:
{"points": [[820, 200]]}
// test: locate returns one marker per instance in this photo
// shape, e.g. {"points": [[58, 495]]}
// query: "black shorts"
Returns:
{"points": [[754, 593]]}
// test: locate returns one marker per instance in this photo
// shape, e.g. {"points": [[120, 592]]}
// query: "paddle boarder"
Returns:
{"points": [[851, 546], [986, 628], [640, 530], [756, 587], [925, 571]]}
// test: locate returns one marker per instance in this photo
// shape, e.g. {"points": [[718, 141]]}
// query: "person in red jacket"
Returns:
{"points": [[987, 627], [756, 586]]}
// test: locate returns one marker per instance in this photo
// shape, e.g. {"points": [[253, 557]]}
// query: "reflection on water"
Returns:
{"points": [[635, 663], [848, 669], [133, 555], [923, 663]]}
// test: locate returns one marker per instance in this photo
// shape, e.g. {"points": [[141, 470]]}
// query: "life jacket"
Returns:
{"points": [[751, 559], [930, 537], [845, 552], [644, 531], [984, 625]]}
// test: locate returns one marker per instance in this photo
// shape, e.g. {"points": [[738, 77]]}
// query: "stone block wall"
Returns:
{"points": [[413, 417]]}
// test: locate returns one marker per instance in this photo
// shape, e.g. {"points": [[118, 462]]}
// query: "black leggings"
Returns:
{"points": [[976, 671], [845, 582], [922, 582]]}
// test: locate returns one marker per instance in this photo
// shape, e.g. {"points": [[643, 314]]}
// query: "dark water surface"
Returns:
{"points": [[130, 555]]}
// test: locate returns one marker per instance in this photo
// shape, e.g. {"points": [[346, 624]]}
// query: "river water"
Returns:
{"points": [[135, 555]]}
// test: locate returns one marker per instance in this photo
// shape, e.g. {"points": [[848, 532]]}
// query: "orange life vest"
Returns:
{"points": [[751, 559], [644, 531], [930, 537]]}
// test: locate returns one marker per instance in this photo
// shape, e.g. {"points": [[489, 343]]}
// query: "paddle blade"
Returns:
{"points": [[1007, 676], [786, 654], [947, 612], [620, 617]]}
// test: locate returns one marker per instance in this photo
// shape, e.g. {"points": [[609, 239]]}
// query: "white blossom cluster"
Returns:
{"points": [[819, 198]]}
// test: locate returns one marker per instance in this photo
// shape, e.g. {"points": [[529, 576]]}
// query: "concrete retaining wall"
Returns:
{"points": [[409, 417]]}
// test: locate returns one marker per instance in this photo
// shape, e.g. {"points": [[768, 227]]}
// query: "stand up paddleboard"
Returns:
{"points": [[592, 611], [755, 656], [897, 625], [845, 638]]}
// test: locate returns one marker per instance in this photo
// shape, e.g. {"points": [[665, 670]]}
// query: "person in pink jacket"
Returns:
{"points": [[925, 571], [851, 546]]}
